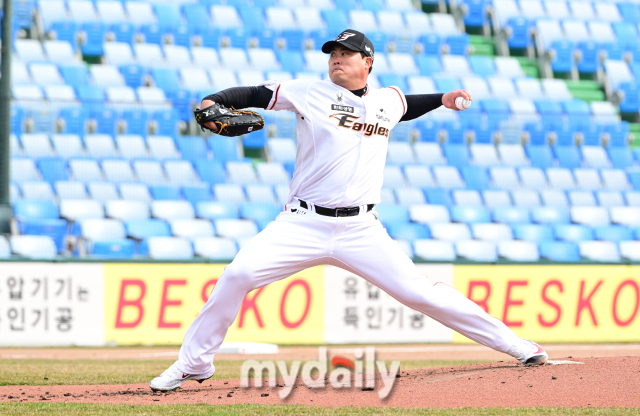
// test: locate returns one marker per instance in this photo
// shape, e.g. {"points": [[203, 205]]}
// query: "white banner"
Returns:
{"points": [[51, 304], [358, 312]]}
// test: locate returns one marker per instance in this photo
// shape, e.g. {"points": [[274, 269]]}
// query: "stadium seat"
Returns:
{"points": [[434, 250], [630, 250], [215, 248], [229, 192], [481, 251], [127, 210], [628, 216], [560, 251], [172, 210], [523, 251], [77, 209], [591, 216], [236, 228], [33, 246], [602, 251], [169, 248]]}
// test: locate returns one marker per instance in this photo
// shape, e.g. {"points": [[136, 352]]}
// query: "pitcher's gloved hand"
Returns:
{"points": [[229, 122]]}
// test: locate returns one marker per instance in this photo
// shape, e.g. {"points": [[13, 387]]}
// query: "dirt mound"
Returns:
{"points": [[597, 382]]}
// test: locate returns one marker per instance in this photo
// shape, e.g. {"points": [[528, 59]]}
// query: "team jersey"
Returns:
{"points": [[342, 139]]}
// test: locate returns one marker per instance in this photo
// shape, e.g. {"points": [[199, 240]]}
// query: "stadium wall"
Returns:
{"points": [[93, 304]]}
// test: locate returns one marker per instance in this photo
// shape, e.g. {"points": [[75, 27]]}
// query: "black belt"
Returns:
{"points": [[336, 212]]}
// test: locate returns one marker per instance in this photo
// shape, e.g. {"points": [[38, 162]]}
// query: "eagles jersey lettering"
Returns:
{"points": [[342, 139]]}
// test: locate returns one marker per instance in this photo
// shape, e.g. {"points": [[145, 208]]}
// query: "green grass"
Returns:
{"points": [[52, 372], [55, 409]]}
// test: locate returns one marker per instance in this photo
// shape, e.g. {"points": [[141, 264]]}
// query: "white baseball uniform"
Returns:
{"points": [[342, 147]]}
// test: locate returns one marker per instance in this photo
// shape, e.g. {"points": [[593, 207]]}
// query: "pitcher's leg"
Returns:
{"points": [[377, 258], [282, 249]]}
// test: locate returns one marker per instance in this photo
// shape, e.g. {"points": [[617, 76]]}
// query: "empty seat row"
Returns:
{"points": [[484, 154], [505, 177], [149, 171], [523, 251], [524, 198], [109, 191]]}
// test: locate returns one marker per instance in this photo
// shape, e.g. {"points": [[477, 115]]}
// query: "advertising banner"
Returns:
{"points": [[568, 303], [358, 312], [156, 303], [45, 304]]}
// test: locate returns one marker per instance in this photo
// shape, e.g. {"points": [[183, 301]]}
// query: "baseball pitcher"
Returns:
{"points": [[343, 128]]}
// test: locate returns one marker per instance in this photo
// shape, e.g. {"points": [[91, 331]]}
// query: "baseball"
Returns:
{"points": [[462, 104]]}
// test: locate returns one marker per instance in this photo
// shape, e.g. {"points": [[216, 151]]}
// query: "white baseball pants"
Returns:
{"points": [[358, 244]]}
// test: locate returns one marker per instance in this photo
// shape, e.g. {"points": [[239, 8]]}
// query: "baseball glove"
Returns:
{"points": [[230, 122]]}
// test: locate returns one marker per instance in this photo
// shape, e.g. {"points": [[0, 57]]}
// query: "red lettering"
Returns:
{"points": [[508, 302], [283, 302], [586, 303], [136, 303], [616, 318], [205, 289], [166, 302], [551, 303], [251, 304], [483, 303]]}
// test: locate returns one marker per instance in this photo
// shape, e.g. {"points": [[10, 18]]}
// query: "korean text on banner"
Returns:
{"points": [[156, 303], [359, 312], [45, 304], [576, 303]]}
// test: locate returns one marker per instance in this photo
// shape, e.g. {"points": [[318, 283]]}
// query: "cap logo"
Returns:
{"points": [[344, 36]]}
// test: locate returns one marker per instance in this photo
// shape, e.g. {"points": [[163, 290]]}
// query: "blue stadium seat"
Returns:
{"points": [[91, 94], [336, 19], [192, 147], [143, 229], [261, 213], [550, 215], [217, 210], [408, 231], [429, 64], [291, 61], [41, 217], [615, 233], [432, 44], [533, 232], [470, 214], [621, 157], [65, 30], [511, 215], [134, 75], [475, 177], [225, 149], [392, 214], [210, 171], [165, 192], [253, 17], [438, 196], [590, 57], [195, 193], [73, 120], [482, 66], [559, 251], [568, 156], [95, 37], [457, 154], [564, 56], [123, 32], [520, 33], [429, 130], [573, 233], [631, 97], [458, 44], [52, 169], [540, 155]]}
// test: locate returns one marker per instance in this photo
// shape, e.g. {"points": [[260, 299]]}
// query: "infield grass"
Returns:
{"points": [[56, 409], [40, 372]]}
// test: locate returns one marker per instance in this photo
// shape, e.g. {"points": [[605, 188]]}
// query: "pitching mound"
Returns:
{"points": [[566, 382]]}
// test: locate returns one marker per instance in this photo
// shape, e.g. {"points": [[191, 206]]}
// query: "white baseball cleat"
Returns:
{"points": [[172, 378], [528, 352]]}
